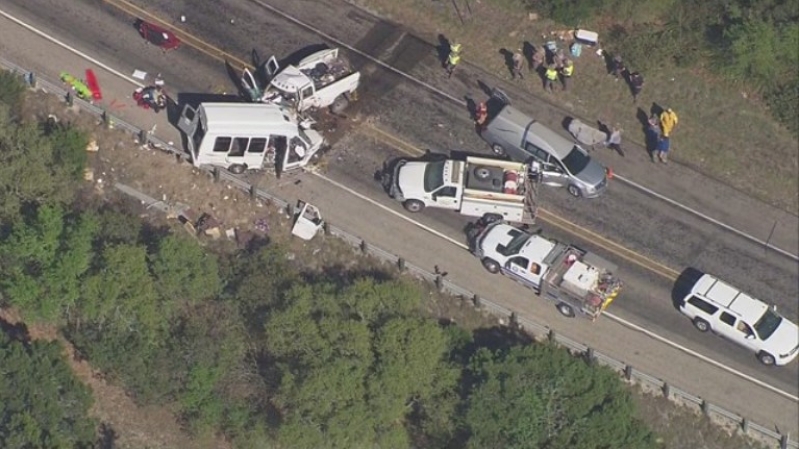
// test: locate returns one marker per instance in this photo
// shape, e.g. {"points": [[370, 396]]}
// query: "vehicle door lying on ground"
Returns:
{"points": [[323, 79], [474, 187], [576, 280]]}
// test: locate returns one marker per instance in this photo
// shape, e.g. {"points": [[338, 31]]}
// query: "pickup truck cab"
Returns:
{"points": [[323, 79]]}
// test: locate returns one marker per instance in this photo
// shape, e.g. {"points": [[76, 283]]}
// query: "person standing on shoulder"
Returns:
{"points": [[550, 76], [566, 73], [668, 120], [453, 59], [614, 140], [518, 65], [636, 84]]}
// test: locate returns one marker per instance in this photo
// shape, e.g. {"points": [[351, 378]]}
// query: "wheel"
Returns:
{"points": [[497, 149], [413, 206], [701, 325], [237, 169], [565, 310], [339, 104], [491, 265], [482, 173], [574, 191], [766, 358]]}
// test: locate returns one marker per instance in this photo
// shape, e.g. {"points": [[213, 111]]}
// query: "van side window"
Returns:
{"points": [[257, 145], [702, 305], [239, 146], [536, 152], [726, 318], [222, 144]]}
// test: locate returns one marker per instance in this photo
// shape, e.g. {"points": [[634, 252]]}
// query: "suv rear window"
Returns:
{"points": [[702, 305]]}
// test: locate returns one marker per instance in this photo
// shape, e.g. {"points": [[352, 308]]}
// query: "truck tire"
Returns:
{"points": [[701, 325], [491, 265], [413, 206], [574, 191], [497, 149], [237, 169], [482, 173], [339, 104], [565, 310], [766, 358]]}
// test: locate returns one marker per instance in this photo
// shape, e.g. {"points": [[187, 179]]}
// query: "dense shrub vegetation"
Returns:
{"points": [[753, 42]]}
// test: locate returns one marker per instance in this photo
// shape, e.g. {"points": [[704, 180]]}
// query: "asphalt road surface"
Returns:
{"points": [[425, 120]]}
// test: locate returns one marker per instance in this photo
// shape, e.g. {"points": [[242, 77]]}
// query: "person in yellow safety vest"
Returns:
{"points": [[668, 120], [566, 73], [453, 59], [550, 76]]}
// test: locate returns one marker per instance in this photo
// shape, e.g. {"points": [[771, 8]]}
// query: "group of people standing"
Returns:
{"points": [[554, 66]]}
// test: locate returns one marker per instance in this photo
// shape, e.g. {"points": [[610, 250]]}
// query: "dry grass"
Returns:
{"points": [[722, 132]]}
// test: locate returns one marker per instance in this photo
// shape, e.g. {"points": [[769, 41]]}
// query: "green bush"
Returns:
{"points": [[69, 147], [12, 90], [783, 100]]}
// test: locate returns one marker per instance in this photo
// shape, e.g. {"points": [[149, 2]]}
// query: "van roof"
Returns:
{"points": [[536, 133], [236, 116], [718, 291]]}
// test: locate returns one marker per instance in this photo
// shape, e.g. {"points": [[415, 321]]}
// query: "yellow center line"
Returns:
{"points": [[407, 148]]}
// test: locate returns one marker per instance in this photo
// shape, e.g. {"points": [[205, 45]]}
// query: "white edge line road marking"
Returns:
{"points": [[420, 225], [754, 239], [388, 209], [67, 47], [700, 356], [463, 103]]}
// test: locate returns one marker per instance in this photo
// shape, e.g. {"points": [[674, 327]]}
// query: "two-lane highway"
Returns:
{"points": [[670, 237]]}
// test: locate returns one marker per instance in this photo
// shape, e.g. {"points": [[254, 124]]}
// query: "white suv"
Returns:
{"points": [[734, 315]]}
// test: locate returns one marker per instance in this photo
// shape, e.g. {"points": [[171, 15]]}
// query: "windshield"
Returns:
{"points": [[433, 176], [576, 160], [515, 244], [767, 324]]}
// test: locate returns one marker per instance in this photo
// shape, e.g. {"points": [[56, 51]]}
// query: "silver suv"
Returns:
{"points": [[512, 133]]}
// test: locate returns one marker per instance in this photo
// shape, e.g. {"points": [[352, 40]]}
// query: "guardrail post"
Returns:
{"points": [[705, 407], [628, 372], [144, 137], [364, 246], [106, 119], [70, 99], [401, 263], [666, 390], [551, 335], [217, 173], [745, 426], [253, 191], [589, 356], [476, 301], [439, 283], [30, 79], [326, 228], [513, 320], [784, 441]]}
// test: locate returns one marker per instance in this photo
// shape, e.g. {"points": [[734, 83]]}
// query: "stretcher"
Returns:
{"points": [[587, 135]]}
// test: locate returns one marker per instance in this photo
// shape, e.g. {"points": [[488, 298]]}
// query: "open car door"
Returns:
{"points": [[250, 85], [307, 221]]}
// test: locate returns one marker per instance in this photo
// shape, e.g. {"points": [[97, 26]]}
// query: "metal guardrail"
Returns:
{"points": [[508, 317]]}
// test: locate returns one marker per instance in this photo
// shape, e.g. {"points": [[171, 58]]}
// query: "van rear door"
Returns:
{"points": [[188, 124], [250, 85]]}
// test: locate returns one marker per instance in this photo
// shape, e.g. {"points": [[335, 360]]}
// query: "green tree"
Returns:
{"points": [[30, 171], [352, 368], [183, 270], [12, 90], [44, 259], [69, 147], [540, 396], [43, 405]]}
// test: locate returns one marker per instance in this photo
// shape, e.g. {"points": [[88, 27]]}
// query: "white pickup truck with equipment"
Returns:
{"points": [[474, 187], [576, 280], [323, 79]]}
